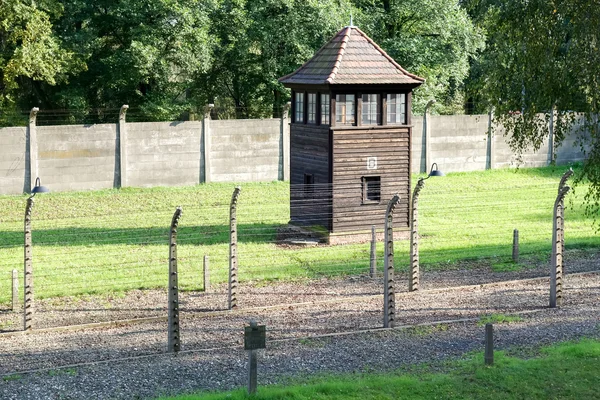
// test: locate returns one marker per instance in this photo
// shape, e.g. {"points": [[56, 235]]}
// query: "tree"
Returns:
{"points": [[435, 39], [542, 55], [142, 53], [260, 41], [30, 52]]}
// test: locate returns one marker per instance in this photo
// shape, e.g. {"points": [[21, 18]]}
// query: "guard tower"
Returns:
{"points": [[350, 137]]}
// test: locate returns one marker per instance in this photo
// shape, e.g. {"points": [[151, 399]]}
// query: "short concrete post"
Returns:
{"points": [[206, 280], [252, 366], [28, 292], [15, 290], [373, 258], [121, 178], [255, 338], [489, 344], [413, 280], [556, 265], [233, 258], [389, 297], [515, 248], [174, 339], [32, 150]]}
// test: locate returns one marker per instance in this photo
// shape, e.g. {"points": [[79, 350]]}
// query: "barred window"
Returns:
{"points": [[370, 109], [299, 107], [325, 109], [371, 189], [396, 108], [344, 109], [312, 108]]}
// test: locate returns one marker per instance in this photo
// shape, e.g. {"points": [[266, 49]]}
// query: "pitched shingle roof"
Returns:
{"points": [[351, 57]]}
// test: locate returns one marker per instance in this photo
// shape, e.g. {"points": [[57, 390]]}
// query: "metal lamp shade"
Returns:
{"points": [[38, 188], [436, 171]]}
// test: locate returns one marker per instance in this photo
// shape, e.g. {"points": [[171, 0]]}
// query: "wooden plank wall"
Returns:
{"points": [[351, 148], [310, 148]]}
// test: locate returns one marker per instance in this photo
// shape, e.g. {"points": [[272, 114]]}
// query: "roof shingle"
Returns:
{"points": [[351, 57]]}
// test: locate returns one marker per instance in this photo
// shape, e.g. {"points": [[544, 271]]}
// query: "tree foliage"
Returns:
{"points": [[29, 49], [542, 55], [164, 57], [260, 41], [435, 39], [142, 53]]}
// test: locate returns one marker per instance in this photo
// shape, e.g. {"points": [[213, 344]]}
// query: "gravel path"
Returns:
{"points": [[212, 357]]}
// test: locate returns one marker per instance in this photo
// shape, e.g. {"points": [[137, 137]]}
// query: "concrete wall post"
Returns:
{"points": [[425, 143], [551, 137], [28, 270], [233, 259], [389, 297], [121, 173], [206, 142], [557, 262], [413, 280], [489, 157], [174, 337], [558, 256], [32, 163], [285, 143]]}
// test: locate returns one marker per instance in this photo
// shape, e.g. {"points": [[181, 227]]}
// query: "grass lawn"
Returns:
{"points": [[565, 371], [113, 240]]}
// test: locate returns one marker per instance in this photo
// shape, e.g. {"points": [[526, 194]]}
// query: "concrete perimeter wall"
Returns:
{"points": [[13, 171], [81, 157], [163, 153], [460, 143], [77, 157], [246, 150]]}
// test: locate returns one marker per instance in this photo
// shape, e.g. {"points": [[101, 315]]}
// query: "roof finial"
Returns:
{"points": [[351, 24]]}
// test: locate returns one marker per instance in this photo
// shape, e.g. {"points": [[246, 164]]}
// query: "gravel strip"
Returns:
{"points": [[134, 304], [213, 357], [225, 368]]}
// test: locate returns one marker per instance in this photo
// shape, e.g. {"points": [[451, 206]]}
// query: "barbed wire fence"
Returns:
{"points": [[90, 116], [112, 264]]}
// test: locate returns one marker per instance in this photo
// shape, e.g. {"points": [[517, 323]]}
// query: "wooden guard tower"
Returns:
{"points": [[350, 137]]}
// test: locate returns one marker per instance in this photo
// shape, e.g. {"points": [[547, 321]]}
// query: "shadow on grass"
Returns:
{"points": [[187, 235]]}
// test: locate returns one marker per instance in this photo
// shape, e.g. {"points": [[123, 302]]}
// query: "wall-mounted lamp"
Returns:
{"points": [[413, 281], [38, 188], [435, 171]]}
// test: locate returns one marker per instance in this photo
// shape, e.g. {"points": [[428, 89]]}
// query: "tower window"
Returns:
{"points": [[344, 109], [312, 108], [325, 109], [309, 186], [370, 109], [299, 107], [371, 189], [396, 108]]}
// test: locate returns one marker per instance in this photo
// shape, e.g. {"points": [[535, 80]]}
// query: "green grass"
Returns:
{"points": [[499, 319], [9, 378], [565, 371], [113, 240]]}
